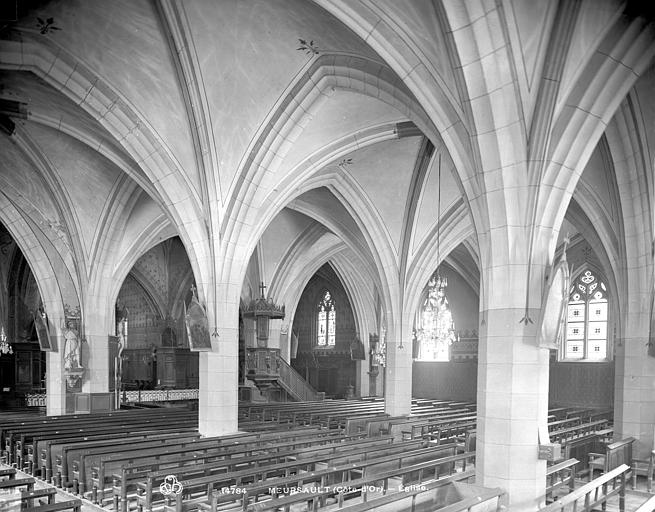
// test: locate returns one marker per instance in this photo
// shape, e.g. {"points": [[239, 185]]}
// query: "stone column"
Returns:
{"points": [[219, 376], [363, 378], [55, 379], [398, 376], [219, 385], [634, 388], [95, 351], [512, 391]]}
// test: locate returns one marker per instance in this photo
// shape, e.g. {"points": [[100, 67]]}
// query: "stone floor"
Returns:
{"points": [[8, 501]]}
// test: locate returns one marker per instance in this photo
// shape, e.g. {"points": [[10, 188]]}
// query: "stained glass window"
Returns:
{"points": [[326, 322], [586, 319]]}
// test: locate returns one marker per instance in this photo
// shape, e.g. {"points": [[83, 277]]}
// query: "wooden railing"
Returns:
{"points": [[266, 364], [295, 385], [597, 492]]}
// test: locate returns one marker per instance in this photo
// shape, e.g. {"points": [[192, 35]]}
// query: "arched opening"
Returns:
{"points": [[151, 334], [22, 362], [325, 326]]}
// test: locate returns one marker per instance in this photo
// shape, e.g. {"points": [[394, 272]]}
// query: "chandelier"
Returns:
{"points": [[437, 330], [5, 347]]}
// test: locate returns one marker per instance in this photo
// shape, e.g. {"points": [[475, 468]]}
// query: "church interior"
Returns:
{"points": [[398, 253]]}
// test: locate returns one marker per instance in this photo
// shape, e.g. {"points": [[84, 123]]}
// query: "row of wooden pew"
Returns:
{"points": [[332, 453], [338, 455]]}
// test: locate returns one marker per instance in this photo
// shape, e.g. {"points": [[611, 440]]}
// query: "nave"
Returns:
{"points": [[298, 456]]}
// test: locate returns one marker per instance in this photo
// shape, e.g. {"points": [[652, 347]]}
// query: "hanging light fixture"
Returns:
{"points": [[5, 346], [437, 329]]}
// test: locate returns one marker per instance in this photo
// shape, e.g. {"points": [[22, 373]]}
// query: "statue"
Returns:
{"points": [[72, 348]]}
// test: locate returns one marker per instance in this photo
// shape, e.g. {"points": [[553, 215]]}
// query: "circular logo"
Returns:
{"points": [[170, 485]]}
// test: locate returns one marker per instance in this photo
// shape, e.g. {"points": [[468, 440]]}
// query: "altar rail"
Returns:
{"points": [[158, 395]]}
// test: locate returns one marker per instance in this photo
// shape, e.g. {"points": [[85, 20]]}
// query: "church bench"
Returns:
{"points": [[130, 475], [431, 430], [53, 452], [580, 447], [425, 498], [558, 412], [42, 423], [564, 434], [615, 455], [261, 479], [79, 459], [468, 443], [28, 497], [75, 505], [70, 456], [358, 423], [562, 473], [603, 414], [556, 425], [269, 460], [110, 465], [432, 463], [18, 438], [9, 473], [16, 483], [644, 467], [597, 492], [348, 489]]}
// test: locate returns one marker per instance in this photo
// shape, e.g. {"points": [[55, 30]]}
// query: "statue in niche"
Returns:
{"points": [[72, 348]]}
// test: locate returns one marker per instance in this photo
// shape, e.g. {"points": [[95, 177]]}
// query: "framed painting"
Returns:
{"points": [[46, 342], [553, 310], [197, 327]]}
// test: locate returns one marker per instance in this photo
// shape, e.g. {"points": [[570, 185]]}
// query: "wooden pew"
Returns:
{"points": [[346, 490], [110, 464], [27, 498], [333, 475], [75, 505], [564, 434], [57, 455], [16, 483], [7, 473], [615, 455], [152, 474], [644, 467], [271, 461], [595, 493], [17, 438], [560, 474], [425, 498]]}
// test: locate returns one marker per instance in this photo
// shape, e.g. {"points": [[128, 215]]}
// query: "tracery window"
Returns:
{"points": [[587, 319], [326, 321]]}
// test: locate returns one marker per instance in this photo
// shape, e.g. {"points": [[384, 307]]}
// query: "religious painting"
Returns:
{"points": [[651, 334], [357, 350], [197, 326], [553, 312], [42, 332]]}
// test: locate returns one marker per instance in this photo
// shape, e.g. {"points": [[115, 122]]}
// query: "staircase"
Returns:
{"points": [[271, 374]]}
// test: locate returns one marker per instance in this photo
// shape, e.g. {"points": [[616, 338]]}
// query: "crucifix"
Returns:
{"points": [[262, 288]]}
